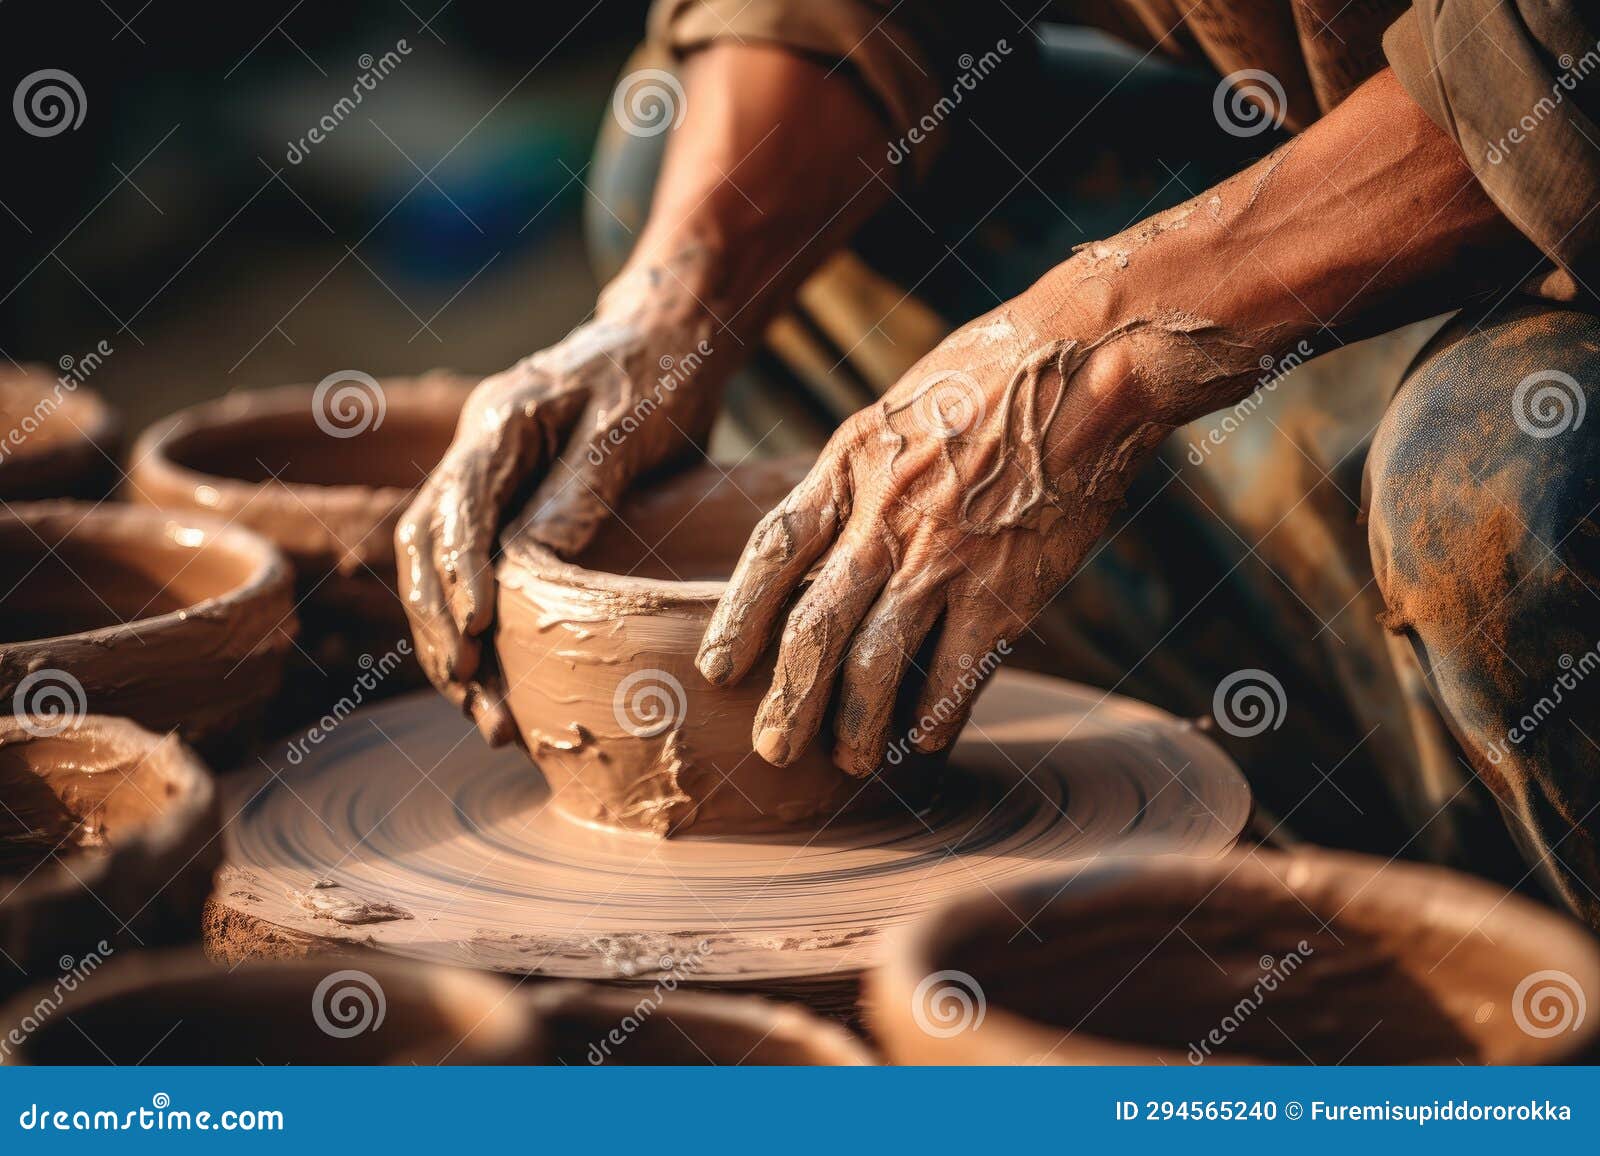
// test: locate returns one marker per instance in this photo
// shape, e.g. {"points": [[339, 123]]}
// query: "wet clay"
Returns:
{"points": [[599, 655], [323, 480], [469, 853], [58, 439], [173, 620], [177, 1008], [1260, 957], [101, 825]]}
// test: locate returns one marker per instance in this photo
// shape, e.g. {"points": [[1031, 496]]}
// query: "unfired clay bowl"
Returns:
{"points": [[328, 496], [172, 620], [160, 1008], [103, 824], [55, 442], [1257, 957], [599, 653], [591, 1024]]}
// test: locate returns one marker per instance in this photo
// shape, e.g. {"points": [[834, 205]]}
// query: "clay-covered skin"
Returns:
{"points": [[58, 439], [170, 619], [103, 824], [599, 656], [1259, 957]]}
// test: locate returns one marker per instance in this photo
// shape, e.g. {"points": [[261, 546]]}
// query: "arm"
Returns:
{"points": [[760, 181], [965, 498]]}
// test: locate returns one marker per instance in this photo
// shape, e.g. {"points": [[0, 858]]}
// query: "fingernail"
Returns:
{"points": [[715, 664], [772, 744]]}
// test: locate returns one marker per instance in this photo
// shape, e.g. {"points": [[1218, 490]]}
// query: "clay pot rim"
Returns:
{"points": [[503, 1023], [195, 797], [152, 466], [99, 426], [914, 950], [268, 568], [824, 1042]]}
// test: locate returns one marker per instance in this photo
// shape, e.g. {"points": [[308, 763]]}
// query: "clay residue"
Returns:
{"points": [[328, 900]]}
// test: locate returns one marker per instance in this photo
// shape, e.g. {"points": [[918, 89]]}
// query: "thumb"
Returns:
{"points": [[580, 491]]}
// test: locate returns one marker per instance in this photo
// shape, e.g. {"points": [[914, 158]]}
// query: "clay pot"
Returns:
{"points": [[108, 839], [171, 620], [599, 652], [177, 1008], [325, 477], [1253, 958], [58, 439], [590, 1024]]}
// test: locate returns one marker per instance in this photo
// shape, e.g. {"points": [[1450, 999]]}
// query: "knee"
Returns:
{"points": [[627, 156]]}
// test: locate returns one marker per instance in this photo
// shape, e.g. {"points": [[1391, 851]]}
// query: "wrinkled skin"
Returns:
{"points": [[634, 388]]}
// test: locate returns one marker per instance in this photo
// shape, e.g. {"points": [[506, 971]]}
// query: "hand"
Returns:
{"points": [[634, 388], [963, 500]]}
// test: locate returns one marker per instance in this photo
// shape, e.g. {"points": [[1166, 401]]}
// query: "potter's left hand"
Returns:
{"points": [[962, 501]]}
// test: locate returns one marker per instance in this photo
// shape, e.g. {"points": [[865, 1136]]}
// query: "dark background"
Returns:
{"points": [[171, 224]]}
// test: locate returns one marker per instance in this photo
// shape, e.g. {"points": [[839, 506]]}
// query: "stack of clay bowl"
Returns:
{"points": [[108, 841], [323, 472], [655, 841], [177, 1008], [172, 620], [58, 439], [1314, 957]]}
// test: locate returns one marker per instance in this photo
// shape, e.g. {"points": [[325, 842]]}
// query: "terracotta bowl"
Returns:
{"points": [[590, 1024], [57, 439], [172, 620], [325, 480], [599, 655], [104, 826], [160, 1008], [1258, 957]]}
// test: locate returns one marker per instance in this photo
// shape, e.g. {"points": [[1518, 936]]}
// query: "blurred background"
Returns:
{"points": [[190, 222]]}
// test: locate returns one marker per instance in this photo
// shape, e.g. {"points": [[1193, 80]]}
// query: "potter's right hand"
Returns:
{"points": [[634, 388]]}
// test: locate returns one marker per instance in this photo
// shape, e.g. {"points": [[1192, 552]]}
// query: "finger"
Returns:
{"points": [[781, 550], [467, 515], [815, 637], [485, 702], [580, 492], [444, 654], [874, 669], [975, 640]]}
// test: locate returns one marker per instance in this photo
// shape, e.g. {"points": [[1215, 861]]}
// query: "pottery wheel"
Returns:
{"points": [[402, 833]]}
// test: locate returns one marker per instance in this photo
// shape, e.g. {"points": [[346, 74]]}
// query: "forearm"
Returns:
{"points": [[762, 180], [1367, 221]]}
